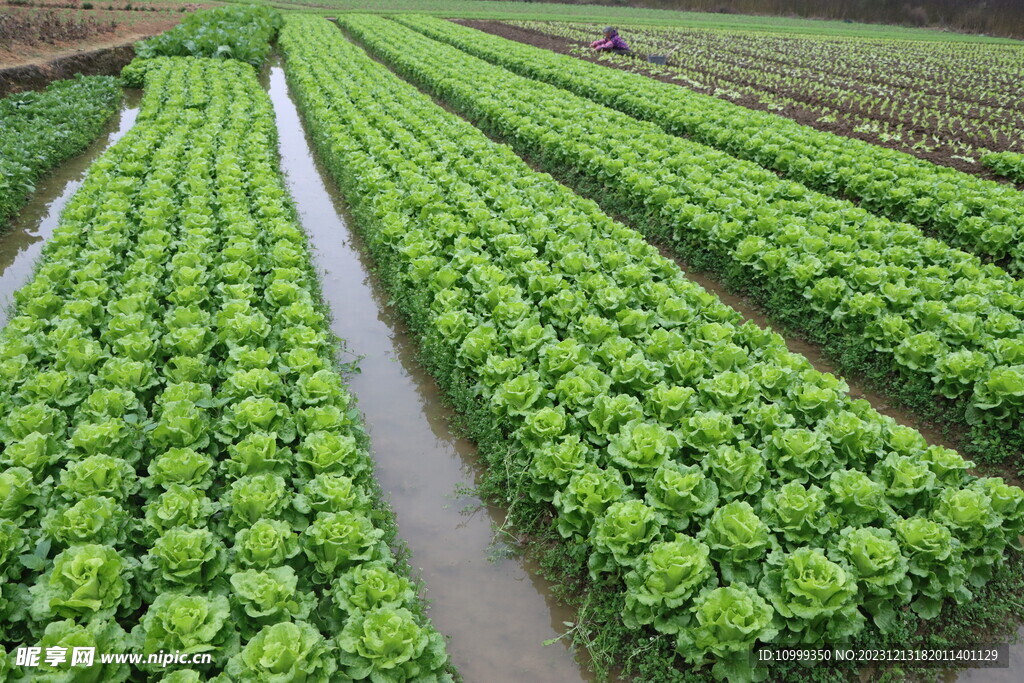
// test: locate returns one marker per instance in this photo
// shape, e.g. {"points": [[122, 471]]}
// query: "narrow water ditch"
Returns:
{"points": [[496, 608], [22, 241]]}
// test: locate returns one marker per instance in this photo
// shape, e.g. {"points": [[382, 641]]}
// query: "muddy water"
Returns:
{"points": [[21, 243], [496, 609], [1012, 674]]}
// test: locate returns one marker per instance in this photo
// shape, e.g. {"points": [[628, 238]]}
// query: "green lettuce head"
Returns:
{"points": [[181, 466], [799, 513], [738, 471], [178, 506], [266, 544], [389, 644], [339, 540], [727, 623], [909, 482], [682, 493], [588, 494], [267, 597], [554, 464], [881, 571], [285, 651], [331, 493], [189, 623], [738, 540], [104, 635], [95, 519], [857, 499], [815, 598], [185, 557], [370, 586], [969, 514], [641, 447], [621, 534], [99, 475], [934, 563], [86, 582], [664, 580]]}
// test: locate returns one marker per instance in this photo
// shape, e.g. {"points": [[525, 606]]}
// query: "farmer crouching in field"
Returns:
{"points": [[612, 42]]}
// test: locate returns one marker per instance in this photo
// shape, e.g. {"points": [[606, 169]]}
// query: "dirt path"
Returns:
{"points": [[798, 114]]}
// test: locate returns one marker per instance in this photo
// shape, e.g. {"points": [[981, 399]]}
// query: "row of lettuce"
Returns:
{"points": [[1007, 164], [181, 467], [942, 101], [896, 303], [732, 493], [971, 213], [242, 32], [38, 130]]}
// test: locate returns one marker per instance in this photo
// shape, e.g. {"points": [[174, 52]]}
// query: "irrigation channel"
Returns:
{"points": [[22, 241], [496, 608]]}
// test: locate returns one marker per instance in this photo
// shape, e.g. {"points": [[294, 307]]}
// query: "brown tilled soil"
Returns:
{"points": [[106, 61], [800, 115], [35, 64]]}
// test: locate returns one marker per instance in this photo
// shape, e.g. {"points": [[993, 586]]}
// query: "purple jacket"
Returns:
{"points": [[615, 42]]}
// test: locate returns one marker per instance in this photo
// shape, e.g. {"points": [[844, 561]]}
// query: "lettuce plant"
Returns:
{"points": [[934, 563], [330, 452], [589, 493], [969, 514], [799, 513], [183, 466], [257, 452], [682, 493], [265, 544], [100, 475], [664, 579], [86, 582], [338, 540], [640, 447], [285, 651], [554, 464], [185, 557], [881, 571], [727, 622], [814, 598], [369, 586], [739, 471], [104, 635], [621, 534], [178, 505], [94, 519], [21, 498], [255, 497], [859, 500], [331, 493], [187, 623], [739, 541], [389, 644], [268, 597]]}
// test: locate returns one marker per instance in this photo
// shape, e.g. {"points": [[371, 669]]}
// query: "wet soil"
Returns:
{"points": [[798, 114], [22, 242], [495, 608]]}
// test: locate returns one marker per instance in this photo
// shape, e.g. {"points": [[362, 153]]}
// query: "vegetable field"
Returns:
{"points": [[186, 468], [939, 100]]}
